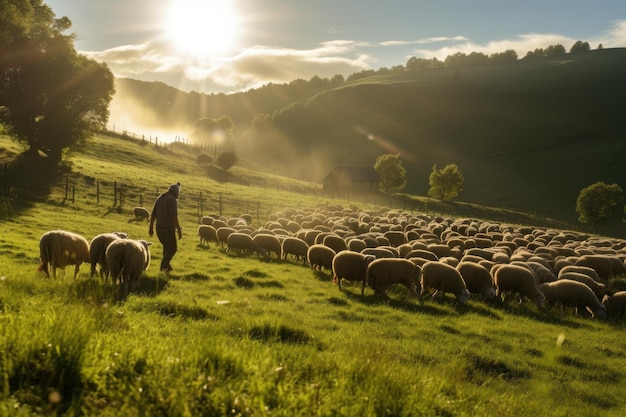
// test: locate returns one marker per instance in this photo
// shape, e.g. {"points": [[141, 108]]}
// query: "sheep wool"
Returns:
{"points": [[351, 266], [97, 251], [477, 279], [443, 278], [615, 304], [573, 293], [128, 259], [60, 248], [519, 280], [295, 247], [320, 256], [141, 213], [384, 272]]}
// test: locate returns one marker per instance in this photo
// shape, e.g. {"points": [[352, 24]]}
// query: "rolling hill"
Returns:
{"points": [[527, 135]]}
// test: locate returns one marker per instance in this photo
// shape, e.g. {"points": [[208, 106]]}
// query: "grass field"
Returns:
{"points": [[228, 335]]}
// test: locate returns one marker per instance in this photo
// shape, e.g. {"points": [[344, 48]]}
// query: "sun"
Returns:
{"points": [[202, 28]]}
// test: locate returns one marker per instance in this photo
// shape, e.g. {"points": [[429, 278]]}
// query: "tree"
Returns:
{"points": [[600, 204], [214, 131], [579, 46], [391, 172], [226, 160], [51, 97], [446, 183]]}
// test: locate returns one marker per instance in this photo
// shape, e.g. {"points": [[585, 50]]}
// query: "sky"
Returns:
{"points": [[226, 46]]}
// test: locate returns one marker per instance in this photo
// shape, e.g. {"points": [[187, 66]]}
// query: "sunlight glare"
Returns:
{"points": [[202, 28]]}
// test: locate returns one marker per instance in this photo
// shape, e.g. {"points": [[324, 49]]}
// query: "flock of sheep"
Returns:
{"points": [[430, 256]]}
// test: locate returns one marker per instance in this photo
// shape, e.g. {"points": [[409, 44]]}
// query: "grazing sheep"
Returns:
{"points": [[351, 266], [296, 247], [517, 279], [127, 260], [244, 243], [590, 272], [97, 251], [379, 252], [59, 248], [207, 233], [573, 293], [356, 245], [320, 256], [270, 243], [600, 263], [615, 304], [477, 279], [223, 233], [384, 272], [443, 278], [598, 288], [141, 213], [335, 242]]}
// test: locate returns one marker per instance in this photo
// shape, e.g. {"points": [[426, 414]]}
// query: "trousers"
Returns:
{"points": [[167, 237]]}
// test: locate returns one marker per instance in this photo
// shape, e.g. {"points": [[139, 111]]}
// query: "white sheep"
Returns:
{"points": [[296, 247], [615, 304], [127, 260], [141, 213], [581, 269], [384, 272], [351, 266], [320, 256], [573, 293], [598, 288], [519, 280], [243, 243], [478, 279], [270, 243], [207, 233], [60, 248], [97, 251], [443, 278]]}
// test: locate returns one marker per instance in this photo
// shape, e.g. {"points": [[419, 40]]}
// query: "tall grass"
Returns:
{"points": [[228, 335]]}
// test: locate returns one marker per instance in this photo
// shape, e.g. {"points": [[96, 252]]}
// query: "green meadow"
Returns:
{"points": [[233, 335]]}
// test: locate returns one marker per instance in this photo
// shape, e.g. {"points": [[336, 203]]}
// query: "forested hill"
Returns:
{"points": [[526, 135]]}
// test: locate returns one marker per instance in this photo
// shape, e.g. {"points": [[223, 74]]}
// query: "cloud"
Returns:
{"points": [[424, 41], [253, 67], [615, 37]]}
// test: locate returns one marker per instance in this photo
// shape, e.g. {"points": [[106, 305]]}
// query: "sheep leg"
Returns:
{"points": [[76, 270]]}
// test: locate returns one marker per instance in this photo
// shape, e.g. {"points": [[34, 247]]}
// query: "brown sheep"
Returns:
{"points": [[384, 272], [97, 251], [270, 243], [574, 293], [243, 243], [598, 288], [207, 233], [351, 266], [141, 213], [443, 278], [519, 280]]}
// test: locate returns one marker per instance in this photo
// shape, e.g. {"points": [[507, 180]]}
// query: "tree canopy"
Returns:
{"points": [[226, 160], [51, 97], [446, 183], [391, 172], [217, 132], [600, 204]]}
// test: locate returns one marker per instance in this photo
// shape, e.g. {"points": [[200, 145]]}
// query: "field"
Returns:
{"points": [[227, 334]]}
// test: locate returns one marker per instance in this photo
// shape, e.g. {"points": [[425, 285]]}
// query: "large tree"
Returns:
{"points": [[217, 132], [600, 204], [446, 183], [391, 172], [51, 97]]}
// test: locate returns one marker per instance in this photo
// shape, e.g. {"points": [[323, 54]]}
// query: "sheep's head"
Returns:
{"points": [[463, 296], [600, 312], [489, 294], [540, 299]]}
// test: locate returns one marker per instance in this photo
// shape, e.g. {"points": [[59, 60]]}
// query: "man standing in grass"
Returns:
{"points": [[165, 213]]}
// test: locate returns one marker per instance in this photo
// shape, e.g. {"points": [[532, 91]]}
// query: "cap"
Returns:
{"points": [[175, 189]]}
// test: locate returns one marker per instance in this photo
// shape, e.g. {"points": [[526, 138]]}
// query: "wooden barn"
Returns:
{"points": [[204, 159], [352, 180]]}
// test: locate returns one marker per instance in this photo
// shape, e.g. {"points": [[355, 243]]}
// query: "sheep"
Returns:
{"points": [[384, 272], [223, 233], [127, 260], [207, 233], [577, 294], [295, 247], [598, 288], [141, 213], [270, 243], [320, 256], [615, 304], [581, 269], [244, 243], [97, 251], [60, 248], [335, 242], [517, 279], [379, 252], [477, 279], [352, 266], [443, 278]]}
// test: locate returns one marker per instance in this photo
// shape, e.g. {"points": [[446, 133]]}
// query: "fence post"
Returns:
{"points": [[67, 186], [97, 192], [114, 193], [73, 193], [122, 186]]}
